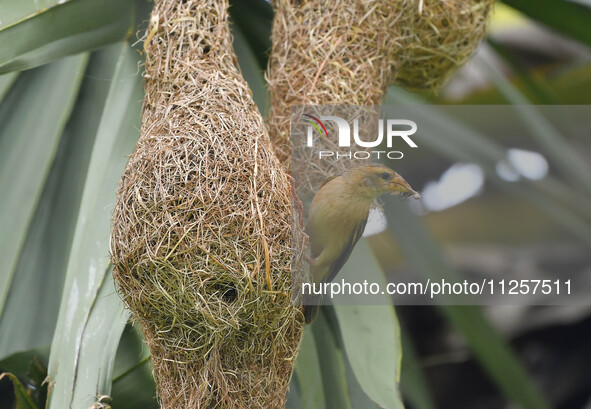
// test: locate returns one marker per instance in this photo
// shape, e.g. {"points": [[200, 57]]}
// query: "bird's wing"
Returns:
{"points": [[340, 261], [325, 181]]}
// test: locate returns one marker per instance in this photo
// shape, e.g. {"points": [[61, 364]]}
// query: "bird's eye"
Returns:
{"points": [[385, 176]]}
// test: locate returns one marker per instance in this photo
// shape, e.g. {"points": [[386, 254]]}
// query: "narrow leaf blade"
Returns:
{"points": [[28, 146], [91, 315], [564, 16], [23, 400], [308, 371], [332, 364], [43, 34], [41, 268], [371, 335]]}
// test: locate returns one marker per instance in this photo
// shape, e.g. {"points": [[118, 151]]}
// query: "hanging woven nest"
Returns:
{"points": [[202, 241], [330, 52], [347, 52], [438, 37]]}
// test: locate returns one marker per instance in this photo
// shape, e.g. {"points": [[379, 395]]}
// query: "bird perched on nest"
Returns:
{"points": [[337, 218]]}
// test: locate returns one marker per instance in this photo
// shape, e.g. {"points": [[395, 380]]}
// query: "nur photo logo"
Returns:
{"points": [[392, 131]]}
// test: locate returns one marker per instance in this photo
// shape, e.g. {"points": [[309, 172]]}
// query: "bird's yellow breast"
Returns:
{"points": [[335, 215]]}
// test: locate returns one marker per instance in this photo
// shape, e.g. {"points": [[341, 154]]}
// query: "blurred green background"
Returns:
{"points": [[71, 94]]}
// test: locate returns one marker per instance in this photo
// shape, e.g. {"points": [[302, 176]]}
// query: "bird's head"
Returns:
{"points": [[372, 181]]}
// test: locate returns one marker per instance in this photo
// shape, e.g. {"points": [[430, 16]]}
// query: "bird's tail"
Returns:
{"points": [[311, 306]]}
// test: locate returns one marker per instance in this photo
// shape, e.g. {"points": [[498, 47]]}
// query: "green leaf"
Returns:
{"points": [[414, 386], [13, 11], [18, 363], [91, 317], [370, 334], [133, 384], [308, 372], [252, 73], [332, 365], [29, 139], [40, 272], [36, 375], [254, 19], [489, 348], [29, 365], [359, 399], [6, 82], [293, 397], [35, 33], [23, 400], [564, 16], [102, 332]]}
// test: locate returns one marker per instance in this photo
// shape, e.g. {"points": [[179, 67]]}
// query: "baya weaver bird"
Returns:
{"points": [[337, 217]]}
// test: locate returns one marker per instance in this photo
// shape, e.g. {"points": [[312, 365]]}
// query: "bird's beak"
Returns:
{"points": [[399, 186]]}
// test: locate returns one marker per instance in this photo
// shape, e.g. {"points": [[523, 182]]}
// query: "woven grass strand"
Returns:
{"points": [[202, 239]]}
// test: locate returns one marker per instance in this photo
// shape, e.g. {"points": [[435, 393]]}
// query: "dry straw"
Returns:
{"points": [[202, 231], [347, 52]]}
